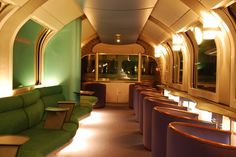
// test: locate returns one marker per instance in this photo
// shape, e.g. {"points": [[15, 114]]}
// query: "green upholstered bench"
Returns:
{"points": [[53, 95], [25, 115]]}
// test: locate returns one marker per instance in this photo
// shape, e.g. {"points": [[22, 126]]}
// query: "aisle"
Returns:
{"points": [[111, 131]]}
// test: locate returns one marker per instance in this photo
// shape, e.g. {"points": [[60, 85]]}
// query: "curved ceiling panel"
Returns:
{"points": [[116, 4], [185, 21], [88, 32], [55, 15], [154, 33], [125, 18], [169, 11]]}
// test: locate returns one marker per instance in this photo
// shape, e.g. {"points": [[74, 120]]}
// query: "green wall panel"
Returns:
{"points": [[62, 59], [24, 54]]}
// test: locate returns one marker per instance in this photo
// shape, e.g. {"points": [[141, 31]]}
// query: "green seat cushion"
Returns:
{"points": [[10, 103], [78, 113], [29, 153], [51, 100], [87, 104], [12, 122], [33, 106], [44, 141], [51, 95], [12, 116], [51, 90], [91, 99], [30, 97]]}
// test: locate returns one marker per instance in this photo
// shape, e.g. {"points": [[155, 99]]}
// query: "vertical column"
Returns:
{"points": [[97, 64], [139, 66], [76, 60]]}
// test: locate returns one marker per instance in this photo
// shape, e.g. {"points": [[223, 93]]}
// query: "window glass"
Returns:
{"points": [[88, 68], [232, 11], [149, 70], [24, 54], [118, 67], [205, 66], [177, 67]]}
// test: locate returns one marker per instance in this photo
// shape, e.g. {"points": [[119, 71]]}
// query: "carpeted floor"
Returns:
{"points": [[111, 131]]}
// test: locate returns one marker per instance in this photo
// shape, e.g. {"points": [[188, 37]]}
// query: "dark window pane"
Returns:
{"points": [[149, 70], [177, 67], [88, 68], [205, 66], [118, 67]]}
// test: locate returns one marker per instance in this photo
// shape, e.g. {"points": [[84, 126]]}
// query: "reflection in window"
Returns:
{"points": [[24, 54], [149, 70], [177, 67], [118, 67], [88, 68], [205, 66]]}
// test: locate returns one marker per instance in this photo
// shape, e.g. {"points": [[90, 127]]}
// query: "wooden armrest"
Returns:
{"points": [[67, 102], [55, 117], [69, 105], [13, 139], [9, 144], [85, 92], [56, 109]]}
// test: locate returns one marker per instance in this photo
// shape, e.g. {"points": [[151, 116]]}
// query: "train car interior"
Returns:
{"points": [[120, 78]]}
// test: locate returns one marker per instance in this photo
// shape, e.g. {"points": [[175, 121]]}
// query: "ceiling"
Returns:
{"points": [[117, 17], [153, 21]]}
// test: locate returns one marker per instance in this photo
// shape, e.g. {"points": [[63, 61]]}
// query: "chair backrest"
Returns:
{"points": [[161, 117], [51, 95], [131, 90], [13, 118], [148, 104], [100, 92], [184, 140]]}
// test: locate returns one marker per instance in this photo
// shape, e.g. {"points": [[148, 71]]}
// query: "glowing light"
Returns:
{"points": [[166, 93], [51, 82], [185, 103], [6, 89], [210, 26], [205, 115], [160, 50], [176, 42], [198, 35], [225, 123]]}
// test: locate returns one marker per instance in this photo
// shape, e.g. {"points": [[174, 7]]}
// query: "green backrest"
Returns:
{"points": [[13, 118], [51, 95], [33, 106]]}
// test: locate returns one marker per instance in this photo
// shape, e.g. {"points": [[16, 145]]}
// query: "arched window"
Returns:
{"points": [[205, 65], [27, 57], [177, 67]]}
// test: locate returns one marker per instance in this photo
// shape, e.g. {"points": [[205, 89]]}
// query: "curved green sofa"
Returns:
{"points": [[25, 114]]}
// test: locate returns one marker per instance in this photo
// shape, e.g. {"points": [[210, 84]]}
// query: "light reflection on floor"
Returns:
{"points": [[83, 136], [111, 131]]}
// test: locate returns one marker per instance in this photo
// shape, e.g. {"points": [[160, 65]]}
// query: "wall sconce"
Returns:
{"points": [[160, 50], [176, 42], [210, 26], [198, 35]]}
